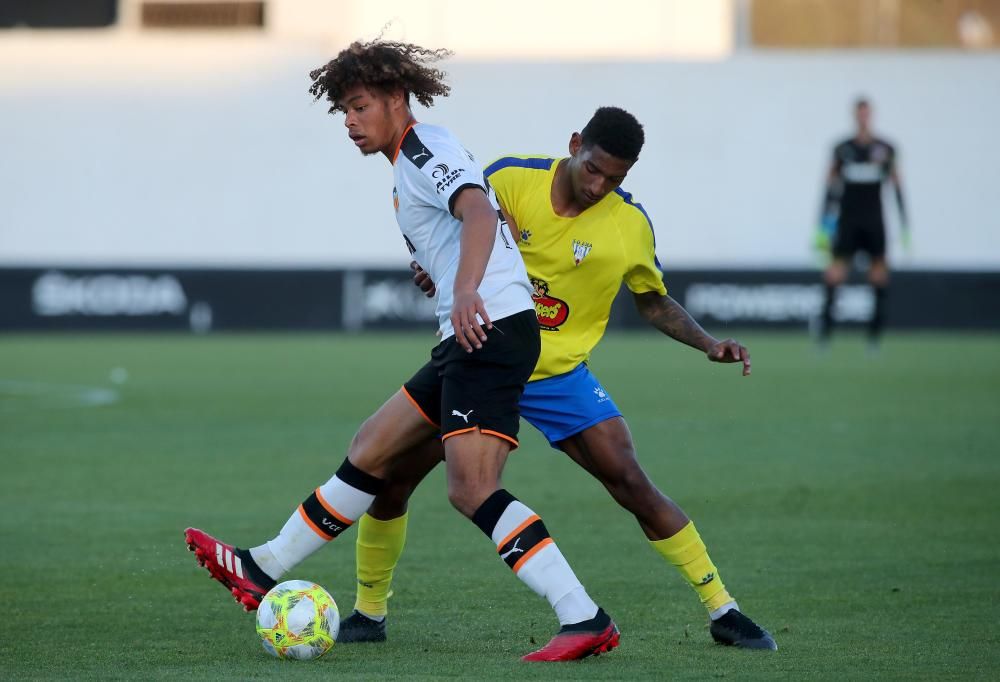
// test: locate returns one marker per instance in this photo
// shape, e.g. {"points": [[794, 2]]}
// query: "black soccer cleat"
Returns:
{"points": [[735, 629], [358, 627]]}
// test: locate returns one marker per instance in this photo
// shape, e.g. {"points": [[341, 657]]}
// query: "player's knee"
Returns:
{"points": [[626, 480], [468, 490], [879, 277], [357, 442], [631, 487], [466, 499], [834, 277]]}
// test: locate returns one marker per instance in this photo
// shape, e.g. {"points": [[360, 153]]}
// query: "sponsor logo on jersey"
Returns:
{"points": [[862, 172], [445, 177], [580, 250], [552, 312], [395, 200], [413, 149]]}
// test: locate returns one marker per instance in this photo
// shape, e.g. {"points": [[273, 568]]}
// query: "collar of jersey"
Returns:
{"points": [[399, 145]]}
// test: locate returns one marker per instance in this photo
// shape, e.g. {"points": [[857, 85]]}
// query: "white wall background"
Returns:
{"points": [[182, 153]]}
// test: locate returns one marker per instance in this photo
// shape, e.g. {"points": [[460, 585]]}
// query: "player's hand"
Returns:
{"points": [[825, 232], [821, 241], [422, 280], [468, 332], [729, 351]]}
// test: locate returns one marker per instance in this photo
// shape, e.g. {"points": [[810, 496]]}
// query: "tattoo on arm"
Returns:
{"points": [[669, 317]]}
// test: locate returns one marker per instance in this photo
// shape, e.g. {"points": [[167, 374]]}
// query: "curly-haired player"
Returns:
{"points": [[581, 237], [467, 394]]}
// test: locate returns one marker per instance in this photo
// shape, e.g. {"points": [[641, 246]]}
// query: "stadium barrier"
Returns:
{"points": [[202, 300]]}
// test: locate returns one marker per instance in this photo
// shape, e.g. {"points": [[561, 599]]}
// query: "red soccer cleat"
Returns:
{"points": [[232, 567], [593, 637]]}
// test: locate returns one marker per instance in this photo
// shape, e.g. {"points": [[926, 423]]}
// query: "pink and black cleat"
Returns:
{"points": [[593, 637], [232, 567]]}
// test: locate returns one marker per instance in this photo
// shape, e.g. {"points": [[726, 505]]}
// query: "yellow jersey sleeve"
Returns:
{"points": [[643, 272], [507, 176]]}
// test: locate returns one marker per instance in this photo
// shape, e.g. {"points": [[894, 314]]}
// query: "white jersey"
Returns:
{"points": [[430, 168]]}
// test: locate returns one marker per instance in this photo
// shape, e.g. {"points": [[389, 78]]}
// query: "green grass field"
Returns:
{"points": [[850, 502]]}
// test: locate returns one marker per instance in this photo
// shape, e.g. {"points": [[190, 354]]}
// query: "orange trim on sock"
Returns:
{"points": [[422, 413], [315, 528], [460, 431], [500, 435], [532, 552], [333, 512], [527, 522]]}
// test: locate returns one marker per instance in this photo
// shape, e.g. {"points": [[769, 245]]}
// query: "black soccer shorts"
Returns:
{"points": [[459, 391], [851, 238]]}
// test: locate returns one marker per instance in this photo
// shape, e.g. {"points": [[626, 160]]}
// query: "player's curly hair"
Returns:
{"points": [[615, 131], [382, 65]]}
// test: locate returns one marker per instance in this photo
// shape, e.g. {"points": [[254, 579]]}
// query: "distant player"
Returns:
{"points": [[471, 386], [581, 236], [852, 217]]}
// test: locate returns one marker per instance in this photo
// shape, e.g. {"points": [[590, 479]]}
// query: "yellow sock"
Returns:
{"points": [[687, 552], [379, 546]]}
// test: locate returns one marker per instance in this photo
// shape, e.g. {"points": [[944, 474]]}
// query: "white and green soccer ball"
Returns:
{"points": [[298, 619]]}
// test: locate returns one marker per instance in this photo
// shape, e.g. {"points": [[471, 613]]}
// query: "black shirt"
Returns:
{"points": [[863, 168]]}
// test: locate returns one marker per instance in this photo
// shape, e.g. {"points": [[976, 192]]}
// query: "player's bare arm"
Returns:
{"points": [[479, 224], [669, 317], [515, 232], [897, 186]]}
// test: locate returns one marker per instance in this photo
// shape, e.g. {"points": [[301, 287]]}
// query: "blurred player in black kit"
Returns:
{"points": [[852, 218]]}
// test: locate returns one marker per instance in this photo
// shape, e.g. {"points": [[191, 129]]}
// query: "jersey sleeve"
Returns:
{"points": [[447, 170], [503, 182], [644, 273], [837, 162]]}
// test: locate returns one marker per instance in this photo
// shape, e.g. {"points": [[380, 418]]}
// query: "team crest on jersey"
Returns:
{"points": [[580, 250], [551, 311], [525, 237], [395, 199]]}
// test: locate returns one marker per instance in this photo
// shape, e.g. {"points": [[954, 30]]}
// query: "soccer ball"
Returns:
{"points": [[298, 619]]}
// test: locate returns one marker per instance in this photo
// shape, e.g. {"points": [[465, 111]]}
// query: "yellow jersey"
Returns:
{"points": [[576, 265]]}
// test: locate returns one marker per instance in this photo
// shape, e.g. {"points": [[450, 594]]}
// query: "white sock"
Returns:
{"points": [[524, 544], [575, 607], [330, 510], [723, 610], [267, 562]]}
